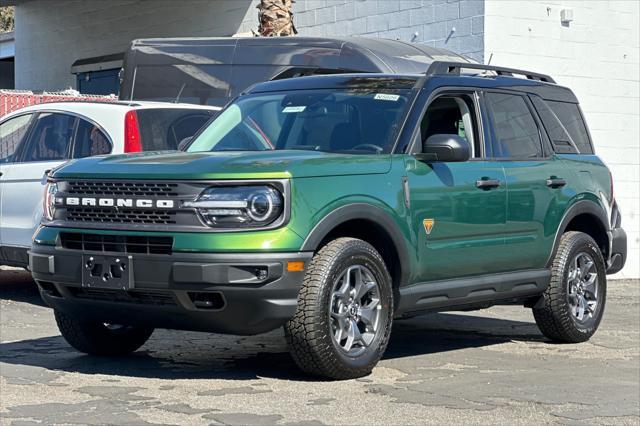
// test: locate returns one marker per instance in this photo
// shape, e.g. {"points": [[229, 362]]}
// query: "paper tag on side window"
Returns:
{"points": [[294, 109], [386, 97]]}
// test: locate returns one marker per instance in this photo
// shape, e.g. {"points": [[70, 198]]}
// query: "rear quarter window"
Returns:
{"points": [[90, 140], [164, 128], [571, 118]]}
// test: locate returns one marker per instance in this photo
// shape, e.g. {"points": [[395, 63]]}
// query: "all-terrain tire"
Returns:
{"points": [[99, 339], [309, 333], [553, 313]]}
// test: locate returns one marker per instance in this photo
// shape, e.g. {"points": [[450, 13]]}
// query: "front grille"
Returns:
{"points": [[143, 217], [116, 243], [134, 297], [132, 189]]}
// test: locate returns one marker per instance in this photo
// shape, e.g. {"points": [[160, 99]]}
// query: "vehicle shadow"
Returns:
{"points": [[17, 285], [183, 355]]}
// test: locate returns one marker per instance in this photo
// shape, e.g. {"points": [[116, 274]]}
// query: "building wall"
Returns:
{"points": [[50, 36], [420, 21], [596, 55]]}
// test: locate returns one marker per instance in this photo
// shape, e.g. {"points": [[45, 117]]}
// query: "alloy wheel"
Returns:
{"points": [[582, 286], [355, 310]]}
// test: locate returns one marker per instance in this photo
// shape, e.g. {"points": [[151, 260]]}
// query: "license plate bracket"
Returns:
{"points": [[107, 272]]}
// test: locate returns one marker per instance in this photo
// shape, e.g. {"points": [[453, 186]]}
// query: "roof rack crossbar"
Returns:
{"points": [[445, 68]]}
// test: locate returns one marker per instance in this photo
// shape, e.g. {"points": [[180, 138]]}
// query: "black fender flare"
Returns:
{"points": [[362, 211], [578, 208]]}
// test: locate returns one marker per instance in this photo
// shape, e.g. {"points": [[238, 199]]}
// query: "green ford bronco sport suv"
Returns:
{"points": [[331, 205]]}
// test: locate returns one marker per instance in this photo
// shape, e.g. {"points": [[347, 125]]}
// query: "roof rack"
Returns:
{"points": [[445, 68]]}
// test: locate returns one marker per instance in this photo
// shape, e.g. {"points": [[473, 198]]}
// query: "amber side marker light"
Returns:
{"points": [[297, 266]]}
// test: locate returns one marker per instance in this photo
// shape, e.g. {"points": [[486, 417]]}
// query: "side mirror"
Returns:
{"points": [[445, 148], [184, 143]]}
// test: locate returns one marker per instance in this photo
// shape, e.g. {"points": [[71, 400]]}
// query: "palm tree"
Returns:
{"points": [[276, 18], [6, 19]]}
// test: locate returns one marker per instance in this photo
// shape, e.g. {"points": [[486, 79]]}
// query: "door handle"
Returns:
{"points": [[487, 183], [554, 182]]}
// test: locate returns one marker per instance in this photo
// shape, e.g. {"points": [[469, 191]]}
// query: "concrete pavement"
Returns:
{"points": [[489, 366]]}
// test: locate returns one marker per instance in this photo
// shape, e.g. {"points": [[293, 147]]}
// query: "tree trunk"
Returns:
{"points": [[276, 18]]}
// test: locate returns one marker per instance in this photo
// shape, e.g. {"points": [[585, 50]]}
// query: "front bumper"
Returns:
{"points": [[618, 251], [221, 293]]}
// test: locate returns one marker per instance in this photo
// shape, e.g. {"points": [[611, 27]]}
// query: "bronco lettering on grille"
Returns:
{"points": [[119, 202]]}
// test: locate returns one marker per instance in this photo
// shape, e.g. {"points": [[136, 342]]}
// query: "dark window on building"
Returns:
{"points": [[12, 133], [516, 131], [50, 138], [162, 129], [7, 73], [90, 140], [571, 119]]}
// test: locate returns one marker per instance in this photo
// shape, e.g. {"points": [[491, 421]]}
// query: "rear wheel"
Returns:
{"points": [[343, 322], [103, 339], [573, 303]]}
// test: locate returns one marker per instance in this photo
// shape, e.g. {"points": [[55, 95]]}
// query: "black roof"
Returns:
{"points": [[336, 81], [540, 87]]}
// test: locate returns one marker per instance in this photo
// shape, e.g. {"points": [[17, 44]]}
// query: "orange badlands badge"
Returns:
{"points": [[428, 225]]}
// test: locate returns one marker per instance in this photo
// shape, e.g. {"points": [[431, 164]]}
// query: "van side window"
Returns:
{"points": [[571, 119], [516, 131], [452, 115]]}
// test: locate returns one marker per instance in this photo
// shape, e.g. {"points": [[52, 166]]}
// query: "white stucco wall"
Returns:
{"points": [[596, 55], [50, 36]]}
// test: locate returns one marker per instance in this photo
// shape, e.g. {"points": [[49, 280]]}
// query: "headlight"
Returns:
{"points": [[250, 206], [49, 202]]}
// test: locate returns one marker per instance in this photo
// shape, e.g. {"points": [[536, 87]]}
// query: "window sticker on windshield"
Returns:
{"points": [[294, 109], [386, 97]]}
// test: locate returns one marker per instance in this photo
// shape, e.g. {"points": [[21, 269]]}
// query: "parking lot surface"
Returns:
{"points": [[489, 366]]}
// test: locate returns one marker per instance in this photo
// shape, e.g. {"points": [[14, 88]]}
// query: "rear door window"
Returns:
{"points": [[571, 118], [50, 138], [12, 133], [516, 131], [164, 128], [90, 140]]}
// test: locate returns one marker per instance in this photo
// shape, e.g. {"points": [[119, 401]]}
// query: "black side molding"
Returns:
{"points": [[464, 292]]}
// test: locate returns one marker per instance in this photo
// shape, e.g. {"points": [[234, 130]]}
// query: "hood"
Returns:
{"points": [[224, 165]]}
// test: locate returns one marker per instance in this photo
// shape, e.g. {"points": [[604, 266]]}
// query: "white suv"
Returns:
{"points": [[36, 139]]}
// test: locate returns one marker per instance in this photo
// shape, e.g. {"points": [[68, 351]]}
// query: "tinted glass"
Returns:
{"points": [[516, 131], [162, 129], [353, 121], [451, 116], [571, 119], [195, 84], [50, 138], [90, 140], [11, 134], [562, 142]]}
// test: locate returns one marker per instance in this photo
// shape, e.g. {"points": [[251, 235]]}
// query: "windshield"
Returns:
{"points": [[350, 121]]}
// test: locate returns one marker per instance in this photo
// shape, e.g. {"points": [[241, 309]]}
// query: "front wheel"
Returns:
{"points": [[102, 339], [343, 322], [573, 304]]}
